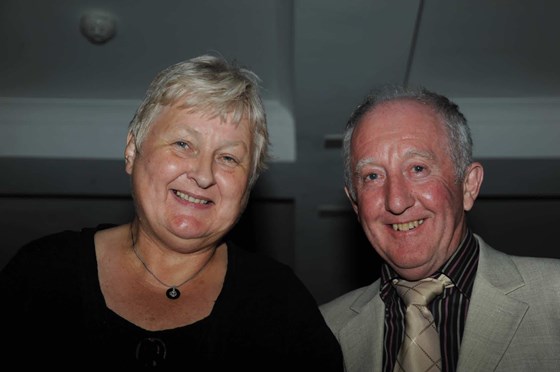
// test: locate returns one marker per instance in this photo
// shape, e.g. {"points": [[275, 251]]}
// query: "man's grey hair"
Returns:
{"points": [[459, 144]]}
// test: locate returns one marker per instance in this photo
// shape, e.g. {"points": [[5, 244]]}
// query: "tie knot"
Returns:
{"points": [[421, 292]]}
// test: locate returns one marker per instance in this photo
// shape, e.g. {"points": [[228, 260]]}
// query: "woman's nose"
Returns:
{"points": [[202, 171]]}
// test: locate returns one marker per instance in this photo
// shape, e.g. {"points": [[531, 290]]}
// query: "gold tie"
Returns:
{"points": [[420, 350]]}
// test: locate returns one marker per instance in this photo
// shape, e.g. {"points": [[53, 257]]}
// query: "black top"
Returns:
{"points": [[53, 314]]}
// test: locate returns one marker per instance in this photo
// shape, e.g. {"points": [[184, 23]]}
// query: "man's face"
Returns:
{"points": [[407, 198]]}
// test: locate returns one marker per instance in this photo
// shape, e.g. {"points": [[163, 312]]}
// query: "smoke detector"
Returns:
{"points": [[98, 26]]}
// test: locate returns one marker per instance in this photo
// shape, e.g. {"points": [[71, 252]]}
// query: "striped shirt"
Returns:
{"points": [[449, 309]]}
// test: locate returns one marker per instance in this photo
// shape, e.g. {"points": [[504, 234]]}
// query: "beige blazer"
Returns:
{"points": [[513, 323]]}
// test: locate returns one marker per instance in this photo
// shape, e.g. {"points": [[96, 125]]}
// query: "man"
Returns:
{"points": [[410, 178]]}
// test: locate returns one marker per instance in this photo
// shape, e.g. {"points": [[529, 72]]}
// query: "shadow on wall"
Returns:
{"points": [[518, 226], [23, 219]]}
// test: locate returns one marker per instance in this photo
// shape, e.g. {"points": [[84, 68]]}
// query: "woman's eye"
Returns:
{"points": [[229, 159]]}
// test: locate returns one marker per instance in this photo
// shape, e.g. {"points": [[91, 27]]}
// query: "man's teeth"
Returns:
{"points": [[190, 198], [407, 226]]}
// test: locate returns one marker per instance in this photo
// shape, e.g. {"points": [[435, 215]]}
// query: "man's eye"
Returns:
{"points": [[418, 168], [372, 176], [182, 144]]}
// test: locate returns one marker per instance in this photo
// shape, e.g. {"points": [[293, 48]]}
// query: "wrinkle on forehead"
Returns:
{"points": [[409, 154]]}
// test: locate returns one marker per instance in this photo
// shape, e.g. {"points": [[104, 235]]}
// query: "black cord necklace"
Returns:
{"points": [[172, 292]]}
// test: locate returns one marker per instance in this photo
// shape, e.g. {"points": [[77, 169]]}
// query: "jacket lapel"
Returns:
{"points": [[362, 337], [493, 317]]}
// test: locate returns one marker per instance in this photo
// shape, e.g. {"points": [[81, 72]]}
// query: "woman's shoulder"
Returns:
{"points": [[58, 246]]}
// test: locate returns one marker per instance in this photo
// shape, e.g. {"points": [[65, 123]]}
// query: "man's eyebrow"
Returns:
{"points": [[409, 154], [362, 163], [419, 153]]}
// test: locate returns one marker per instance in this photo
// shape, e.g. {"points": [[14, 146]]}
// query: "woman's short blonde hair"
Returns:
{"points": [[213, 86]]}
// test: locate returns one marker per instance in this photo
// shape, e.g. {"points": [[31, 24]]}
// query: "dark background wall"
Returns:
{"points": [[65, 104]]}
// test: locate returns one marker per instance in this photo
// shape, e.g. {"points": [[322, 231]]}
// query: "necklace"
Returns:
{"points": [[172, 292]]}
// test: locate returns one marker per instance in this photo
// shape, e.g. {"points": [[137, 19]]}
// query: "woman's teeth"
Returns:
{"points": [[190, 198]]}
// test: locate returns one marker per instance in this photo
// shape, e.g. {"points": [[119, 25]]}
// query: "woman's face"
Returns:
{"points": [[190, 176]]}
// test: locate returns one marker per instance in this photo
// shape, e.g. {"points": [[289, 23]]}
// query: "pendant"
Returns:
{"points": [[173, 293]]}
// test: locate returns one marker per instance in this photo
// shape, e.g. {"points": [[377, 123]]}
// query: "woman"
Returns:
{"points": [[168, 288]]}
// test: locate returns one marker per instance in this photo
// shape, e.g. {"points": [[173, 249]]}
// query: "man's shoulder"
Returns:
{"points": [[525, 274], [525, 264], [344, 300], [344, 307], [539, 268]]}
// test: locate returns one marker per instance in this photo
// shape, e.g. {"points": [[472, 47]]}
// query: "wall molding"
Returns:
{"points": [[96, 128]]}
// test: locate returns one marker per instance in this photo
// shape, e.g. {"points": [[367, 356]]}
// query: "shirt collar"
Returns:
{"points": [[460, 267]]}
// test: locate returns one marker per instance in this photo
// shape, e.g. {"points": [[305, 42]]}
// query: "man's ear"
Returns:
{"points": [[352, 201], [130, 152], [471, 184]]}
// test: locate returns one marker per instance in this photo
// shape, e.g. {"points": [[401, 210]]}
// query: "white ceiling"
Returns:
{"points": [[316, 58]]}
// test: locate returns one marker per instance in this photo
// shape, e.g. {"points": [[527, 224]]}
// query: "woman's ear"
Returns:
{"points": [[129, 152], [471, 185]]}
